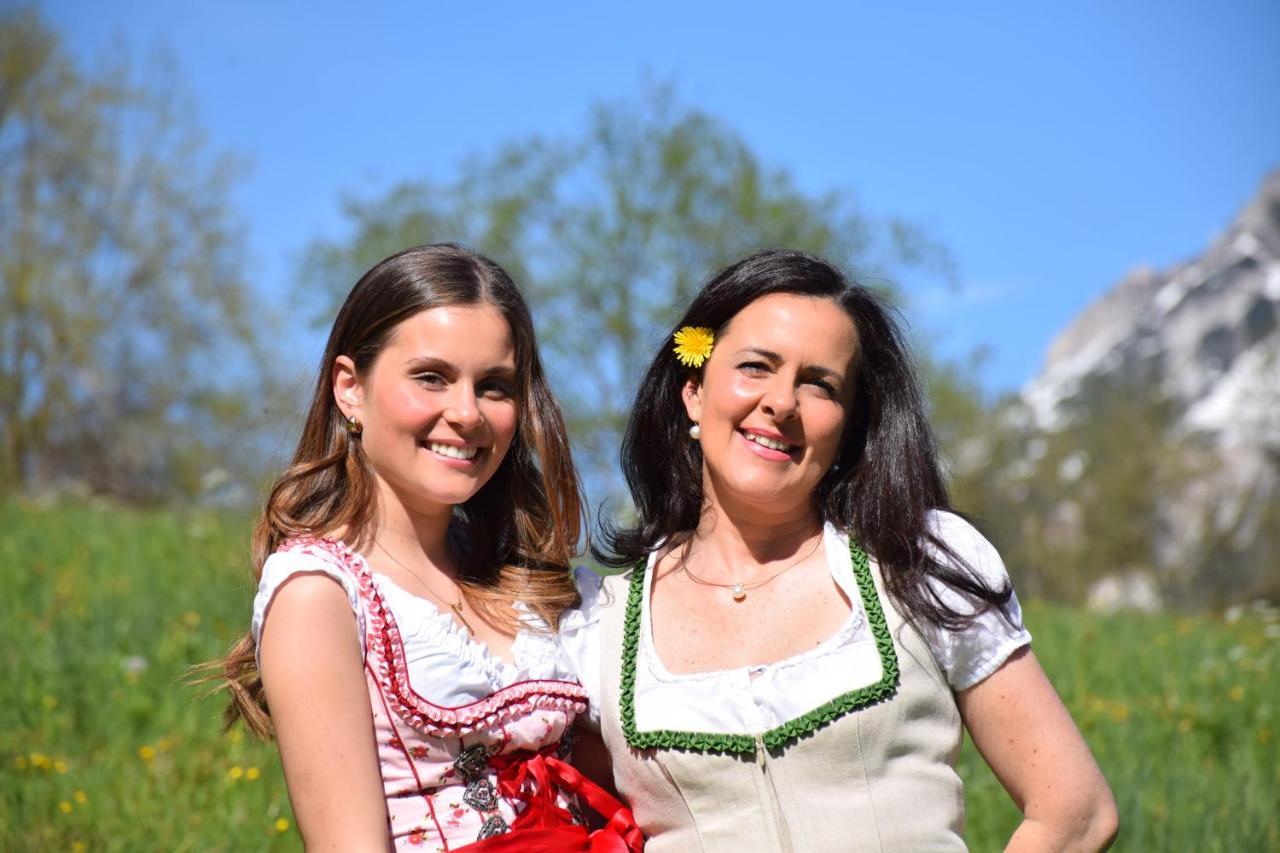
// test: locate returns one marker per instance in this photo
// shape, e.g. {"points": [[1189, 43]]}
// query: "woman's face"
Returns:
{"points": [[773, 401], [438, 406]]}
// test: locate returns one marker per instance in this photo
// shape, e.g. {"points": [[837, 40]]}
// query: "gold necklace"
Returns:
{"points": [[739, 590], [455, 607]]}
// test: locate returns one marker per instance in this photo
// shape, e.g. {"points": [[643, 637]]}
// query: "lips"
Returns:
{"points": [[768, 446], [452, 451]]}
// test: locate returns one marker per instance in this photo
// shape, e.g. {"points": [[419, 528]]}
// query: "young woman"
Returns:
{"points": [[410, 563], [807, 629]]}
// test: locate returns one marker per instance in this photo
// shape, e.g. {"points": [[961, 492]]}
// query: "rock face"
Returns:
{"points": [[1208, 331]]}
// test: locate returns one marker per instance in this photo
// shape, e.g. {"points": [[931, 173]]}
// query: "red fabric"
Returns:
{"points": [[545, 827]]}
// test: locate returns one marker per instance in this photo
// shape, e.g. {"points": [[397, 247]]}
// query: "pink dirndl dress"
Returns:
{"points": [[488, 774]]}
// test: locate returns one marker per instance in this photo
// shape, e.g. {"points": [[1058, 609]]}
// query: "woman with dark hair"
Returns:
{"points": [[411, 563], [807, 628]]}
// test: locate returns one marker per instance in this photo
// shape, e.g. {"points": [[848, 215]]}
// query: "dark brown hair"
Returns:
{"points": [[516, 535], [886, 478]]}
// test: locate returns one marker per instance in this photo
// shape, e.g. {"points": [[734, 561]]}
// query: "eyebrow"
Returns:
{"points": [[445, 366], [770, 355]]}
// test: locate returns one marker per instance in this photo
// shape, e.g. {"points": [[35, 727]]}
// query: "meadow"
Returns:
{"points": [[104, 747]]}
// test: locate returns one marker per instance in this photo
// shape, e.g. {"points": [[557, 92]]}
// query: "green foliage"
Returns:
{"points": [[105, 609], [1088, 500], [1182, 715], [120, 277], [610, 232]]}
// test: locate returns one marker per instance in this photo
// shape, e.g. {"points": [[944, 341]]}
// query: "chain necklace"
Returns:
{"points": [[455, 607], [739, 590]]}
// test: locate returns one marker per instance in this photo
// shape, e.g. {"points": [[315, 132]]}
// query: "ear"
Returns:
{"points": [[691, 394], [348, 391]]}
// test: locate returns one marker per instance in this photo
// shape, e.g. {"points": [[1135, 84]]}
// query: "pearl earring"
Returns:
{"points": [[695, 432]]}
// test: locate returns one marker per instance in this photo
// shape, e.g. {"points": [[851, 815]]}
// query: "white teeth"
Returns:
{"points": [[453, 452], [770, 443]]}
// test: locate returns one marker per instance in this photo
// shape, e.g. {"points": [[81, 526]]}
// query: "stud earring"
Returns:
{"points": [[354, 426], [695, 432]]}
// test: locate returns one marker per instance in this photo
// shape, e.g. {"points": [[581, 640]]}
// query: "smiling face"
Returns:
{"points": [[437, 406], [773, 400]]}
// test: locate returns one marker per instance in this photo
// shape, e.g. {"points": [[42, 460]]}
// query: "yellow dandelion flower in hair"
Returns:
{"points": [[693, 345]]}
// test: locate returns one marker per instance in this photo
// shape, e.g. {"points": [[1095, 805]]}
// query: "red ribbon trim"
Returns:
{"points": [[543, 826]]}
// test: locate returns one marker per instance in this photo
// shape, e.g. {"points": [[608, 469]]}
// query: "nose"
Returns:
{"points": [[779, 401], [462, 410]]}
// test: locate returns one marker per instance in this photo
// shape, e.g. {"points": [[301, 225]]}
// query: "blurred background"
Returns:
{"points": [[1076, 208]]}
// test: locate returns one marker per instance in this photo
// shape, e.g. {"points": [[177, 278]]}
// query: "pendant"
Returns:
{"points": [[738, 591]]}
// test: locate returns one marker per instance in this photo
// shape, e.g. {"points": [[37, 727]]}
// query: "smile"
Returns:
{"points": [[769, 443], [452, 451]]}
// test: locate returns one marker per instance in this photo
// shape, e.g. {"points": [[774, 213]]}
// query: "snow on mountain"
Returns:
{"points": [[1207, 330]]}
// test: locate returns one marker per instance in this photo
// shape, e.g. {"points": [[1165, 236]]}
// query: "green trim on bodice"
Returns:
{"points": [[775, 738]]}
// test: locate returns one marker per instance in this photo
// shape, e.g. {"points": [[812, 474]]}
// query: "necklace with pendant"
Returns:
{"points": [[456, 607], [739, 589]]}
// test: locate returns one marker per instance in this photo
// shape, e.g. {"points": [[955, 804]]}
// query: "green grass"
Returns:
{"points": [[99, 753]]}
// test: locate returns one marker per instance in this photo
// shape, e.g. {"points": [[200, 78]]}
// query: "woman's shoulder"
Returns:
{"points": [[316, 551], [306, 556], [598, 592], [966, 542], [970, 653]]}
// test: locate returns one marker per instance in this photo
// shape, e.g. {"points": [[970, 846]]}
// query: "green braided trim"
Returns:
{"points": [[777, 738]]}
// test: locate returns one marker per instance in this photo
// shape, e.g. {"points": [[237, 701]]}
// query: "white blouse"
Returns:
{"points": [[752, 699], [444, 661]]}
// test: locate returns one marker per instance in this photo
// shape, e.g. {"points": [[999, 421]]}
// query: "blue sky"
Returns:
{"points": [[1051, 147]]}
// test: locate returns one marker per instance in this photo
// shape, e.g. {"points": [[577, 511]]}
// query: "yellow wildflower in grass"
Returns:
{"points": [[64, 807], [282, 825], [79, 847], [693, 345], [80, 797], [1120, 712], [49, 702], [235, 772], [191, 618], [251, 774], [40, 761], [1236, 693], [60, 766], [147, 753]]}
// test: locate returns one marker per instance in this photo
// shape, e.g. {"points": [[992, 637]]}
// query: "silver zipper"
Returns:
{"points": [[762, 760]]}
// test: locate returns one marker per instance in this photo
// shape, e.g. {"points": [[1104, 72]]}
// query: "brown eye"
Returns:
{"points": [[498, 390]]}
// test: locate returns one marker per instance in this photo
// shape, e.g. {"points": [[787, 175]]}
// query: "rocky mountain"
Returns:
{"points": [[1205, 336], [1207, 330]]}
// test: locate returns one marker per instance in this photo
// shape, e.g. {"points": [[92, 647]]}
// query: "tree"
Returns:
{"points": [[610, 233], [122, 307]]}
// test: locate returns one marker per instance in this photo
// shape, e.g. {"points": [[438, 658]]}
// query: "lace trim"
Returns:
{"points": [[392, 672], [775, 738]]}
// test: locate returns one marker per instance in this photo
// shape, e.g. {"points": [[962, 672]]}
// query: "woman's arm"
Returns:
{"points": [[315, 686], [1028, 738]]}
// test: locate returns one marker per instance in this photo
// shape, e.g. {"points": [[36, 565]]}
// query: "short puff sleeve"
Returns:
{"points": [[969, 655], [282, 566], [579, 639]]}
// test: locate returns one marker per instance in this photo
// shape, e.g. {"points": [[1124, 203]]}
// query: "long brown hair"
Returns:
{"points": [[515, 536]]}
